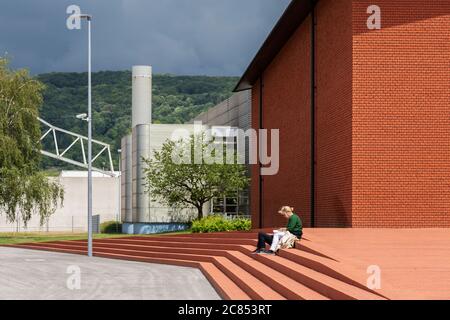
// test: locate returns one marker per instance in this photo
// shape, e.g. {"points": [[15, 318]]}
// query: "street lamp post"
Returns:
{"points": [[119, 151], [89, 18], [89, 120]]}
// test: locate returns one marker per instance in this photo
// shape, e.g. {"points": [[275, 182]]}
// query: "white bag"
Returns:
{"points": [[287, 242]]}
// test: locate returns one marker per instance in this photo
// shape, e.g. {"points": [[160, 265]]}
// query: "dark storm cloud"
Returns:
{"points": [[214, 37]]}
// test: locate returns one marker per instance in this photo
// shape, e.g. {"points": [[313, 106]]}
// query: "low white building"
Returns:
{"points": [[72, 216]]}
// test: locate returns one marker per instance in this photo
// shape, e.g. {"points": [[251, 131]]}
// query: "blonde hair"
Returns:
{"points": [[287, 209]]}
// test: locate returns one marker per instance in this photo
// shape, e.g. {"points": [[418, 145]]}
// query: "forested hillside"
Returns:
{"points": [[176, 99]]}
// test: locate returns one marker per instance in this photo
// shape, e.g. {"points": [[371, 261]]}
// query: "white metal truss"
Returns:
{"points": [[51, 129]]}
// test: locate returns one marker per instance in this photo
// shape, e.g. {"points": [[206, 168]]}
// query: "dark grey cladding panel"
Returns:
{"points": [[220, 109], [244, 122], [231, 112]]}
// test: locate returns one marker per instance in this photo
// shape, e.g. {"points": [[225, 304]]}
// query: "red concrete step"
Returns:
{"points": [[226, 288], [283, 284], [133, 252], [305, 246], [251, 285], [180, 244], [83, 251], [102, 245], [226, 235], [254, 287], [156, 247], [217, 249], [322, 265], [70, 248], [192, 239], [175, 262], [331, 292], [183, 250], [293, 269], [44, 247], [322, 283], [213, 238]]}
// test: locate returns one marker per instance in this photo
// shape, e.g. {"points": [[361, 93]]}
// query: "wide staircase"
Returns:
{"points": [[227, 261]]}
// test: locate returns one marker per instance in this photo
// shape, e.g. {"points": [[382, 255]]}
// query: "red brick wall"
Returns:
{"points": [[334, 113], [401, 115], [382, 118], [286, 107]]}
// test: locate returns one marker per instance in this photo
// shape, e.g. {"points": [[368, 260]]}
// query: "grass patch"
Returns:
{"points": [[21, 237], [16, 238]]}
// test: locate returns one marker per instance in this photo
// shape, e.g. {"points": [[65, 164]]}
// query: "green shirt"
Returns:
{"points": [[294, 225]]}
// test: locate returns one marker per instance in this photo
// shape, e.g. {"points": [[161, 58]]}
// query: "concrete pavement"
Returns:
{"points": [[29, 274]]}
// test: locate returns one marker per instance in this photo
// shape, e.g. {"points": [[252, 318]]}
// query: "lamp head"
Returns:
{"points": [[88, 17], [82, 116]]}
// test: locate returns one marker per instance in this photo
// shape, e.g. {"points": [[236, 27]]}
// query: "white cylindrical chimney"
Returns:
{"points": [[142, 95]]}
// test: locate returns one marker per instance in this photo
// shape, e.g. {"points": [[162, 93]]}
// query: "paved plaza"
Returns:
{"points": [[29, 274]]}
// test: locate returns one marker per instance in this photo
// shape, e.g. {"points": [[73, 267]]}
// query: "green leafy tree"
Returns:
{"points": [[24, 190], [190, 183]]}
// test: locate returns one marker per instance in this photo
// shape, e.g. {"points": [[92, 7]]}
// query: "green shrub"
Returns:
{"points": [[242, 224], [111, 227], [218, 223]]}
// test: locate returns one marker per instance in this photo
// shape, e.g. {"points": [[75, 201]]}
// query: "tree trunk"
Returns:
{"points": [[200, 211]]}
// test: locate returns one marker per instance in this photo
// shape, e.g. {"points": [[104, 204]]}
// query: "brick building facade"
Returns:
{"points": [[377, 125]]}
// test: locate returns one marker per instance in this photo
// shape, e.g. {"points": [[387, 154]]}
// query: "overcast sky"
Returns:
{"points": [[211, 37]]}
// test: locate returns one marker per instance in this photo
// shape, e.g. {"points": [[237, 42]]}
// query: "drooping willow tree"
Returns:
{"points": [[24, 190]]}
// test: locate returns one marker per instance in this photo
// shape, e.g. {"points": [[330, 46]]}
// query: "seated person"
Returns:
{"points": [[294, 226]]}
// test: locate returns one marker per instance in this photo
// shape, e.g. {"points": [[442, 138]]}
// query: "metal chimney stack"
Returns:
{"points": [[142, 95], [135, 147]]}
